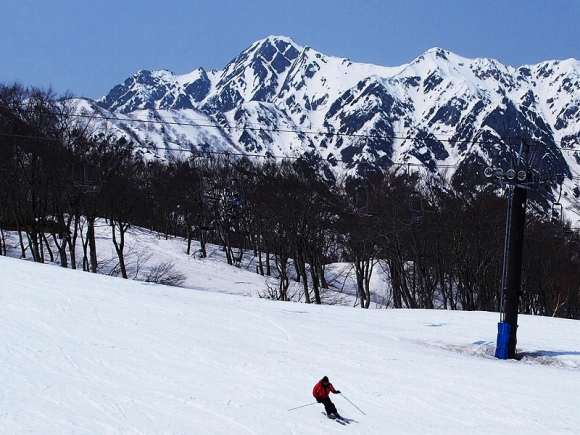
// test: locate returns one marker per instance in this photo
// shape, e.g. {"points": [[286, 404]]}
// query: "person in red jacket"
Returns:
{"points": [[321, 393]]}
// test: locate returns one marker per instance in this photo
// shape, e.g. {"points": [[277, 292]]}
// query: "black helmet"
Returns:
{"points": [[325, 379]]}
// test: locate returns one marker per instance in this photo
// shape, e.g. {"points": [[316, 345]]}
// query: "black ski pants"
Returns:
{"points": [[328, 406]]}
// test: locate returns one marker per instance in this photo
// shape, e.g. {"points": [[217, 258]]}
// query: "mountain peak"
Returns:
{"points": [[146, 76], [280, 84], [273, 39], [441, 55], [271, 45], [438, 52]]}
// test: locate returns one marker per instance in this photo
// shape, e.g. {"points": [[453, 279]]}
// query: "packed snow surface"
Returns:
{"points": [[91, 354]]}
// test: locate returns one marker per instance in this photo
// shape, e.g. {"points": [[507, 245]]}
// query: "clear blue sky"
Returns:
{"points": [[87, 46]]}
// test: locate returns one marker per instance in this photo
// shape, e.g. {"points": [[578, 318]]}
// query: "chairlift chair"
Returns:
{"points": [[557, 213], [84, 181], [575, 233], [417, 209]]}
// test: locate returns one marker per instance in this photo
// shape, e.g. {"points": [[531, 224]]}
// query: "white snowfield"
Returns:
{"points": [[91, 354]]}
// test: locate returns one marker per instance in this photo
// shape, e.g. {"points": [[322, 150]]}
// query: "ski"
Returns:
{"points": [[338, 419]]}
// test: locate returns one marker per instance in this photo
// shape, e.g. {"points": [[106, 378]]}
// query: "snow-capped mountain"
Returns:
{"points": [[439, 109]]}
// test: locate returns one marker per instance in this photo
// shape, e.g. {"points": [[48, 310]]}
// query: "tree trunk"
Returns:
{"points": [[260, 267], [45, 240], [92, 244], [238, 259], [21, 242], [395, 284], [34, 248], [120, 245], [322, 274], [72, 243], [302, 271], [296, 270], [85, 244], [202, 243], [2, 243], [188, 240], [315, 285], [367, 281], [359, 282], [61, 251], [284, 282]]}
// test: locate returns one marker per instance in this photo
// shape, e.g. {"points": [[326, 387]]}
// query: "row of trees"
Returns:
{"points": [[440, 245]]}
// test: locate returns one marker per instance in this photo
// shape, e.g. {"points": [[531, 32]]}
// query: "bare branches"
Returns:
{"points": [[437, 244]]}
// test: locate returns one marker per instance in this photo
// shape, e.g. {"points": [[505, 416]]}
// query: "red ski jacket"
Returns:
{"points": [[320, 392]]}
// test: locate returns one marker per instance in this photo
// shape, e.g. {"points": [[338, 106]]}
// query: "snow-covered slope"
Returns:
{"points": [[147, 251], [88, 354]]}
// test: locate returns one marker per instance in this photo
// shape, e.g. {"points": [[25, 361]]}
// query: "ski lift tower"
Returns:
{"points": [[517, 182], [520, 178]]}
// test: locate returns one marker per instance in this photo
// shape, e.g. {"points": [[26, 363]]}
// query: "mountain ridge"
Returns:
{"points": [[278, 84]]}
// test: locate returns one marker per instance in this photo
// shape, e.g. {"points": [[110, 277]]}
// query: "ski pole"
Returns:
{"points": [[303, 406], [348, 400]]}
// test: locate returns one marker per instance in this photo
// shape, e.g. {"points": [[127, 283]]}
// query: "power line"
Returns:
{"points": [[249, 127], [270, 156], [24, 136], [249, 155], [260, 129], [295, 131], [222, 153], [227, 153]]}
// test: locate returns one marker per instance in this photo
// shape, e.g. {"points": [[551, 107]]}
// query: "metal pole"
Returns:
{"points": [[512, 269], [512, 265], [303, 406], [505, 252], [348, 400], [514, 272]]}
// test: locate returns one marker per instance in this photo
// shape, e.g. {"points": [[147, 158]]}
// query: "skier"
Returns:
{"points": [[321, 392]]}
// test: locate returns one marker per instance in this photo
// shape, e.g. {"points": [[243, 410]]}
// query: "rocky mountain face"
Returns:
{"points": [[280, 98]]}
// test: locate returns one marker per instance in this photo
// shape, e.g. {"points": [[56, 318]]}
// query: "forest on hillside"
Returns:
{"points": [[441, 243]]}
